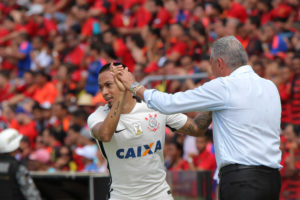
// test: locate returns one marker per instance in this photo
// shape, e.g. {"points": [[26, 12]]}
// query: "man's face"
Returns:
{"points": [[269, 33], [225, 4], [108, 87], [72, 137], [37, 43], [289, 133], [107, 38], [28, 78]]}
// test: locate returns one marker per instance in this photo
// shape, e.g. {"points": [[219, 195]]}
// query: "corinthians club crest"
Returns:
{"points": [[153, 124]]}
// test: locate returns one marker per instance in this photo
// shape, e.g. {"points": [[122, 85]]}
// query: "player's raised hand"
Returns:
{"points": [[114, 71], [125, 76]]}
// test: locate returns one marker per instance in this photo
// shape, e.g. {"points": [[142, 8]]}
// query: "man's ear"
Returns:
{"points": [[220, 64]]}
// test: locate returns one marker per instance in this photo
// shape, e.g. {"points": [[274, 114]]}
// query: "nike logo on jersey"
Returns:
{"points": [[139, 151], [118, 131]]}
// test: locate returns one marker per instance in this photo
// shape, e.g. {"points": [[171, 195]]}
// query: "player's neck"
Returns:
{"points": [[129, 105]]}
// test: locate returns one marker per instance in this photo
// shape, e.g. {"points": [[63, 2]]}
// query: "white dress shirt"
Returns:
{"points": [[246, 116]]}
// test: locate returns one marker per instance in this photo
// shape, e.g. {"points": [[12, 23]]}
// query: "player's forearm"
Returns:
{"points": [[106, 130], [202, 121]]}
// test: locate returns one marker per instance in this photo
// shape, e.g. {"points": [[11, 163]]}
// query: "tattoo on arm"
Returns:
{"points": [[203, 120], [190, 129], [116, 109]]}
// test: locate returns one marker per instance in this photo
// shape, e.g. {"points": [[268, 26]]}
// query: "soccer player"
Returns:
{"points": [[131, 137]]}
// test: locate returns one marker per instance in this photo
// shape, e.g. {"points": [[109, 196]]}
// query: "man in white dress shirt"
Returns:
{"points": [[131, 137], [246, 113]]}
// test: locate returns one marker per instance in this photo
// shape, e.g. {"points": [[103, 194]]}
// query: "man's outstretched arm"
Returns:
{"points": [[209, 97]]}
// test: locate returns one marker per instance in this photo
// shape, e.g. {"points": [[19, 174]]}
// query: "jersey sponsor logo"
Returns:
{"points": [[139, 151], [153, 124]]}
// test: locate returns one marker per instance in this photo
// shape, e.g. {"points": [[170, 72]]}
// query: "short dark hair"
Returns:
{"points": [[80, 113], [255, 20], [76, 128], [178, 146], [106, 67], [109, 50], [96, 47], [44, 74], [62, 105]]}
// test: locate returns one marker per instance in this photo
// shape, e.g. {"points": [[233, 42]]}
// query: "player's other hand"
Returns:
{"points": [[124, 76], [120, 85]]}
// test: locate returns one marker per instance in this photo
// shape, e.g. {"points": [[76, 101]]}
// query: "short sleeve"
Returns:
{"points": [[97, 117], [176, 121]]}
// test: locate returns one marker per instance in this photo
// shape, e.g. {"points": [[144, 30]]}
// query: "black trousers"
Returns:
{"points": [[239, 182]]}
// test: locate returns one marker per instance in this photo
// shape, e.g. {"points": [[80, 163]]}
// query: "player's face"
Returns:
{"points": [[108, 87]]}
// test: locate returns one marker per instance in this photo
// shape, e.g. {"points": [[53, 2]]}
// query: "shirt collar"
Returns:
{"points": [[242, 69]]}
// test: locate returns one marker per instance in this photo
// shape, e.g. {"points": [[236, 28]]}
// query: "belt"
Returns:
{"points": [[238, 167]]}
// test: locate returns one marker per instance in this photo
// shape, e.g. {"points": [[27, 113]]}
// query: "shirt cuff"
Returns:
{"points": [[147, 97]]}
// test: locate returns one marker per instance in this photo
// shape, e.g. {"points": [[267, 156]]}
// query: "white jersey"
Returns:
{"points": [[135, 152]]}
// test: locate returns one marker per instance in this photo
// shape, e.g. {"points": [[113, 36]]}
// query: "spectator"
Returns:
{"points": [[88, 154], [175, 161], [205, 160], [24, 124], [64, 161], [94, 67], [22, 57], [25, 90], [175, 45], [61, 119], [15, 180], [39, 160], [285, 93], [45, 91], [79, 118], [51, 142], [295, 86], [41, 56], [291, 163], [43, 27], [233, 9], [25, 150], [74, 140], [111, 37], [273, 43], [74, 51], [253, 45], [5, 87]]}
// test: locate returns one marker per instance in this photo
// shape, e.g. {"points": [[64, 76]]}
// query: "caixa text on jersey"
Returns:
{"points": [[139, 151]]}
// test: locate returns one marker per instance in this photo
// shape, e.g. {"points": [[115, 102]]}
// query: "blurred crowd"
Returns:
{"points": [[51, 52]]}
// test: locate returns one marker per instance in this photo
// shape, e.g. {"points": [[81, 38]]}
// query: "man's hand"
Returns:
{"points": [[124, 76], [120, 85]]}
